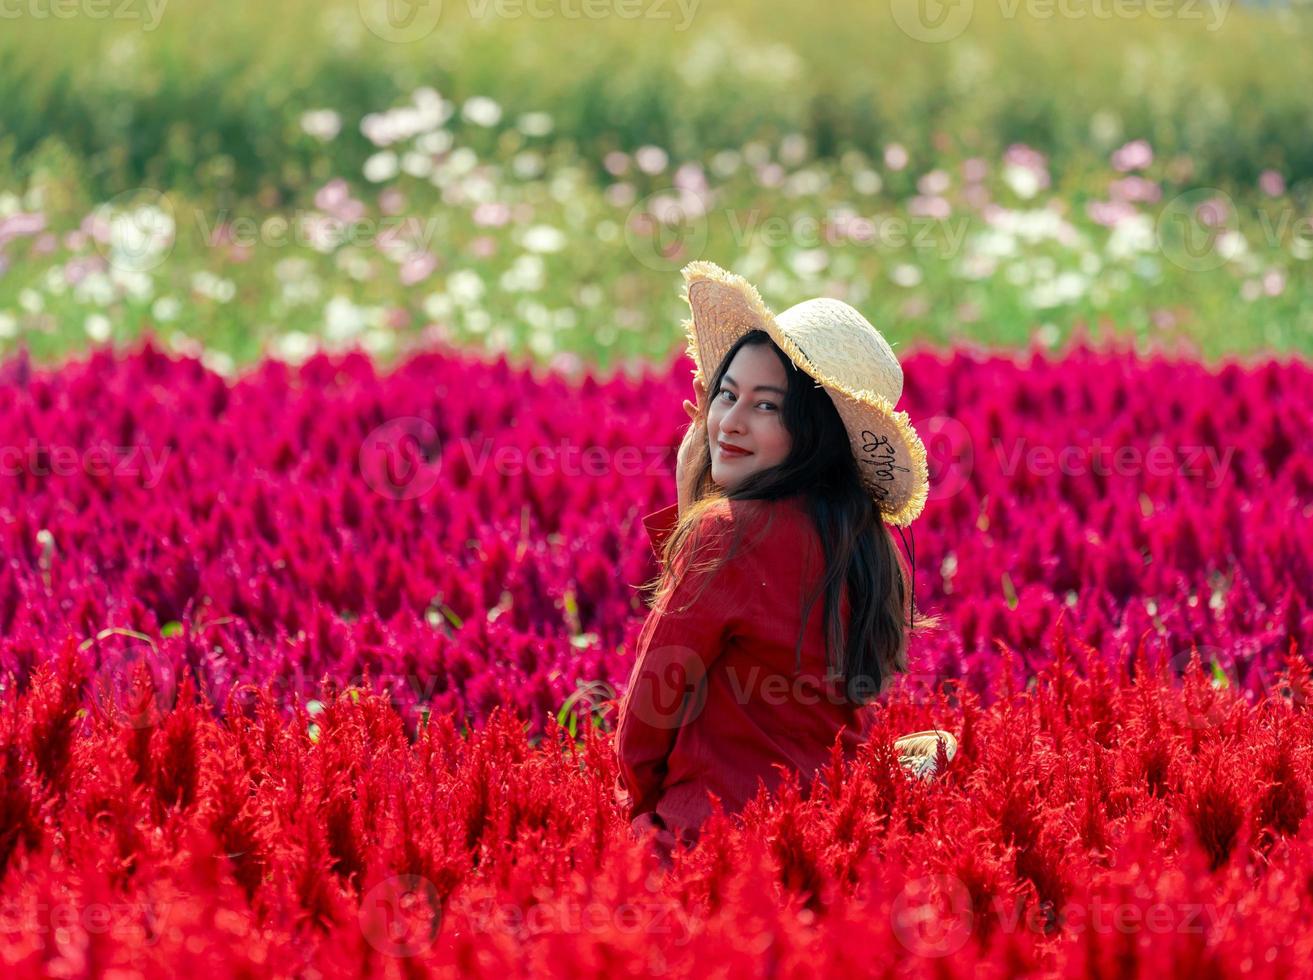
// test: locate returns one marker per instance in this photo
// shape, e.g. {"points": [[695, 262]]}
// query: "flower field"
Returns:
{"points": [[341, 358], [311, 672]]}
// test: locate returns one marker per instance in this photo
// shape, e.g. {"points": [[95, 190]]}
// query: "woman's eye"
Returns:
{"points": [[726, 391]]}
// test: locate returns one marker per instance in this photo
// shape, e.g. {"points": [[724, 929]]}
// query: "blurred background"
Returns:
{"points": [[528, 176]]}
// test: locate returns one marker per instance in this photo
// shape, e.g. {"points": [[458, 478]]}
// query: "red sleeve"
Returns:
{"points": [[680, 640], [659, 524]]}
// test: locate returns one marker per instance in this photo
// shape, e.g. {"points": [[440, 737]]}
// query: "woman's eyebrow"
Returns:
{"points": [[779, 391]]}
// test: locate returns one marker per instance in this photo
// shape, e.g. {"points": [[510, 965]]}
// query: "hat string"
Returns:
{"points": [[911, 616]]}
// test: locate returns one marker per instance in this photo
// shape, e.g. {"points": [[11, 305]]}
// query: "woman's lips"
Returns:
{"points": [[729, 453]]}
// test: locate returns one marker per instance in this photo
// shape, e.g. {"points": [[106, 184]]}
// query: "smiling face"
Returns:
{"points": [[745, 413]]}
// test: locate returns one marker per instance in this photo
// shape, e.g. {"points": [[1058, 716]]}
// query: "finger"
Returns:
{"points": [[690, 409]]}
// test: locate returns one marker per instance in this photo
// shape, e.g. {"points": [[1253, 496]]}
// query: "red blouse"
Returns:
{"points": [[714, 702]]}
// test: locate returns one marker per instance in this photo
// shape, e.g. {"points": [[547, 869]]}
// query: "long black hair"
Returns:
{"points": [[856, 542]]}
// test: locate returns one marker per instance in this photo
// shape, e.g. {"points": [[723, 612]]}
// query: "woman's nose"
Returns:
{"points": [[732, 420]]}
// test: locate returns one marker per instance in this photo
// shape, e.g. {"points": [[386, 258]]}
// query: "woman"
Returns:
{"points": [[786, 479]]}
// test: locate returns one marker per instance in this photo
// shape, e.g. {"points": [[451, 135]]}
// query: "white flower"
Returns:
{"points": [[810, 262], [1066, 288], [56, 284], [417, 164], [291, 268], [527, 164], [94, 289], [438, 141], [465, 287], [1131, 237], [97, 327], [213, 287], [526, 274], [139, 236], [725, 163], [994, 243], [535, 124], [322, 124], [344, 320], [166, 309], [293, 346], [867, 182], [543, 238], [481, 110], [218, 362], [380, 167], [378, 341], [1023, 181], [1231, 244], [31, 301], [8, 325], [438, 306], [132, 282], [651, 159], [977, 266], [905, 274], [793, 149]]}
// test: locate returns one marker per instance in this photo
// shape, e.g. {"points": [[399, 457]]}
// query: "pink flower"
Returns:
{"points": [[491, 214], [1135, 188], [1021, 155], [1109, 213], [1135, 155], [417, 268], [1272, 183]]}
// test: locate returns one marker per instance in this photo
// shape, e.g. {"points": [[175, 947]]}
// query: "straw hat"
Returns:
{"points": [[836, 346], [918, 751]]}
